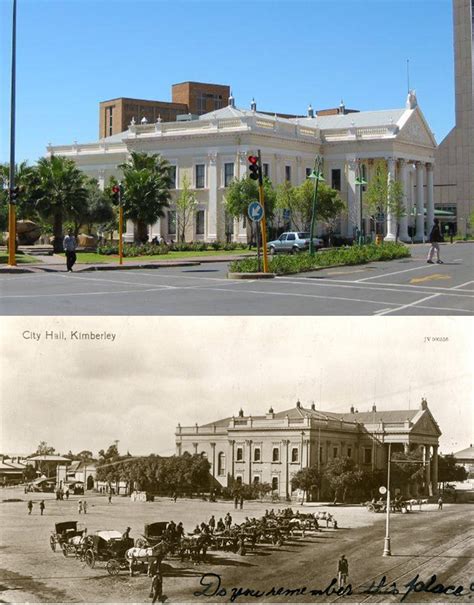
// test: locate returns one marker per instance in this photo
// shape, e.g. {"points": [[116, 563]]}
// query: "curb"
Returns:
{"points": [[14, 270], [231, 275]]}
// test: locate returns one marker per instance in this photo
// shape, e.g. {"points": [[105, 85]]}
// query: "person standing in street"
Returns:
{"points": [[42, 507], [435, 238], [69, 245], [440, 503], [79, 507], [342, 571], [84, 506], [30, 506]]}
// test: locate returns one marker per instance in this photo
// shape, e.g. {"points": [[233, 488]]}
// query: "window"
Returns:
{"points": [[334, 452], [171, 222], [221, 463], [200, 176], [228, 174], [110, 120], [200, 222], [336, 179], [256, 479], [266, 170], [275, 484], [291, 237], [288, 173], [239, 454], [276, 454], [256, 455], [349, 452], [238, 478], [308, 172], [173, 177], [294, 454], [367, 455]]}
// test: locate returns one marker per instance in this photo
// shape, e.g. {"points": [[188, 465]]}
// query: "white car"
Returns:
{"points": [[293, 242]]}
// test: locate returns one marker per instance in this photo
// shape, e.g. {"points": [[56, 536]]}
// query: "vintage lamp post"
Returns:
{"points": [[360, 181]]}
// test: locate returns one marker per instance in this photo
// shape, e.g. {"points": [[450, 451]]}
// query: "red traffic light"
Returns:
{"points": [[115, 188], [253, 159]]}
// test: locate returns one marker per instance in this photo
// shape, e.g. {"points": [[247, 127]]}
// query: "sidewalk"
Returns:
{"points": [[50, 264]]}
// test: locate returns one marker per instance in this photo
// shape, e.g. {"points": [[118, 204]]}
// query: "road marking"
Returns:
{"points": [[345, 272], [67, 294], [434, 277], [413, 304], [462, 285], [394, 273]]}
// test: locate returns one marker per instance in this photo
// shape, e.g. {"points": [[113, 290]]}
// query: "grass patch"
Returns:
{"points": [[94, 257], [21, 259], [354, 255]]}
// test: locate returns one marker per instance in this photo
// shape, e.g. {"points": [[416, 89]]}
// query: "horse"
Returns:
{"points": [[192, 546], [146, 555]]}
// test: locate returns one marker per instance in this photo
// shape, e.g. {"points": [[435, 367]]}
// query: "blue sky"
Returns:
{"points": [[72, 54]]}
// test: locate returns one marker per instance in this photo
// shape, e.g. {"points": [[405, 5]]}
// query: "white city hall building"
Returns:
{"points": [[212, 150], [273, 447]]}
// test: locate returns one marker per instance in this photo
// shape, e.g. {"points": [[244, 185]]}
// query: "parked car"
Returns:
{"points": [[293, 242]]}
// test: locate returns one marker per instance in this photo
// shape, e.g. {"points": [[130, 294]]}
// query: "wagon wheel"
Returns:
{"points": [[52, 543], [113, 567], [89, 558], [65, 549]]}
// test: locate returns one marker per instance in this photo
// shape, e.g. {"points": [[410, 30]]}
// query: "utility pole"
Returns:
{"points": [[12, 192]]}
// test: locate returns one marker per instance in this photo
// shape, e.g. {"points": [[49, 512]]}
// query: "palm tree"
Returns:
{"points": [[24, 179], [59, 193], [146, 190]]}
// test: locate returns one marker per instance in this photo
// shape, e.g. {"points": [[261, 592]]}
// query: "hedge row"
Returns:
{"points": [[355, 255], [150, 249]]}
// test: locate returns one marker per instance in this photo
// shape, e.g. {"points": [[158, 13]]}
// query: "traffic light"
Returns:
{"points": [[254, 168], [14, 193], [116, 194]]}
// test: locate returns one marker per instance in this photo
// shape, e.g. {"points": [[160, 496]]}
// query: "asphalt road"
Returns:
{"points": [[402, 287], [424, 543]]}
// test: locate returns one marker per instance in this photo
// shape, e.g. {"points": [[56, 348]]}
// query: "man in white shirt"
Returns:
{"points": [[69, 245]]}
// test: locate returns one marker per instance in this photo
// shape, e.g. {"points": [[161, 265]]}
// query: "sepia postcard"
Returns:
{"points": [[236, 460]]}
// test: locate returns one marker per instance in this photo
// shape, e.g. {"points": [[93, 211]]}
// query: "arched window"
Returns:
{"points": [[221, 463], [275, 484], [294, 454], [256, 455]]}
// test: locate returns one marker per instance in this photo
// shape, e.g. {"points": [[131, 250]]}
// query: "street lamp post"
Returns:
{"points": [[317, 176], [11, 205], [360, 181], [386, 545]]}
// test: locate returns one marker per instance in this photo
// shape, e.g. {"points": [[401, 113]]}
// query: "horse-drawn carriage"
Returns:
{"points": [[108, 546], [67, 535], [380, 506]]}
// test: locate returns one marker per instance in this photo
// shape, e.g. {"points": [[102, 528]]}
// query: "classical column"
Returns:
{"points": [[299, 171], [403, 235], [391, 217], [249, 449], [212, 222], [434, 475], [287, 473], [420, 204], [232, 457], [429, 197], [178, 448], [213, 446], [426, 459], [352, 203]]}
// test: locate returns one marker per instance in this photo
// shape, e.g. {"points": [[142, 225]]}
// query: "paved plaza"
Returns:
{"points": [[424, 542], [401, 287]]}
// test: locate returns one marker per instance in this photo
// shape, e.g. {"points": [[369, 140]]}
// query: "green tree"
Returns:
{"points": [[396, 203], [29, 473], [24, 180], [44, 449], [186, 205], [407, 469], [146, 190], [97, 209], [59, 193], [328, 204], [308, 480], [343, 476], [375, 198]]}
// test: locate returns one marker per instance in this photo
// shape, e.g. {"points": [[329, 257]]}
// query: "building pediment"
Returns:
{"points": [[416, 131], [425, 424]]}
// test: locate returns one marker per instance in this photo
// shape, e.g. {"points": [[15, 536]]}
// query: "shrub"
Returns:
{"points": [[350, 255], [130, 250]]}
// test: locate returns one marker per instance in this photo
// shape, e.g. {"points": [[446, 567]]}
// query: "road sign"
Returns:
{"points": [[255, 211], [382, 490]]}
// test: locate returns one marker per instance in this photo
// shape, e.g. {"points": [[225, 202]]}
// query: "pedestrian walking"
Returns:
{"points": [[30, 506], [440, 503], [236, 502], [110, 497], [241, 502], [42, 507], [342, 571], [84, 506], [69, 245], [156, 588], [67, 493], [79, 507], [435, 238]]}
